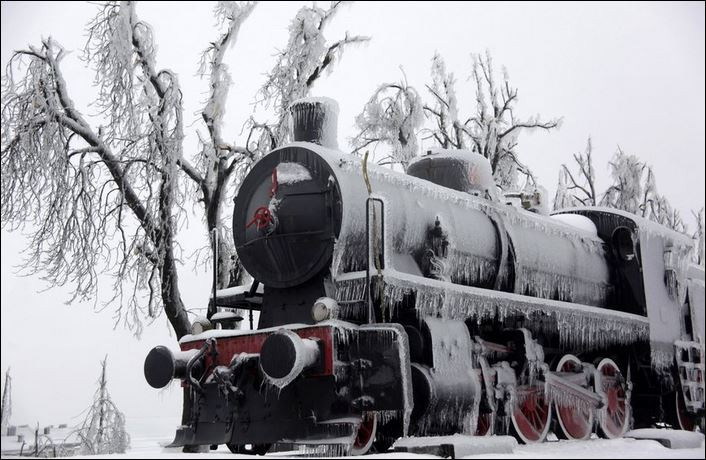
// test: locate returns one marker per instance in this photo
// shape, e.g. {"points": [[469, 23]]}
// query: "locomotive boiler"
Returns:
{"points": [[423, 303]]}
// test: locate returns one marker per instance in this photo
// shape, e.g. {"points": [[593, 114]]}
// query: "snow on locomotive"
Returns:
{"points": [[423, 304]]}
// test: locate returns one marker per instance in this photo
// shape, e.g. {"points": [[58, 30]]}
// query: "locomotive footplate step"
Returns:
{"points": [[456, 446], [673, 439]]}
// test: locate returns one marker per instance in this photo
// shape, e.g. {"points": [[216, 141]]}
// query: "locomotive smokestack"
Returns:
{"points": [[315, 119]]}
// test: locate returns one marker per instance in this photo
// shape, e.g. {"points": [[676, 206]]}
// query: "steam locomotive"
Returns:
{"points": [[425, 303]]}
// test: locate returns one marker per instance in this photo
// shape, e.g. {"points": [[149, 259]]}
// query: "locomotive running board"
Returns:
{"points": [[454, 301]]}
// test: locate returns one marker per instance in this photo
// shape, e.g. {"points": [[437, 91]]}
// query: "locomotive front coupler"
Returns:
{"points": [[229, 378]]}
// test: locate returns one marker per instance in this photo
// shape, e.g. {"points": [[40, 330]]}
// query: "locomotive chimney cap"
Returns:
{"points": [[315, 119]]}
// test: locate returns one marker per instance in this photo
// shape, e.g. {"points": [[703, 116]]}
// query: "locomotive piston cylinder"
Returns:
{"points": [[441, 399], [445, 393], [285, 355]]}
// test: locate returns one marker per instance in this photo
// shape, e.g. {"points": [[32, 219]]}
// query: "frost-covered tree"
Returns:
{"points": [[634, 189], [662, 212], [494, 127], [448, 131], [300, 64], [491, 129], [218, 161], [633, 184], [578, 189], [6, 410], [698, 237], [103, 430], [563, 198], [392, 116], [105, 193]]}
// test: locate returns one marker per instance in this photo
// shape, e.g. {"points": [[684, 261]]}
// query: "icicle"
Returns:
{"points": [[577, 325], [325, 450], [662, 357], [387, 416], [468, 269], [352, 288], [449, 416], [563, 398], [567, 288]]}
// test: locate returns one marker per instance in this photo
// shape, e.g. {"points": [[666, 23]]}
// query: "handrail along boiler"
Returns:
{"points": [[421, 304]]}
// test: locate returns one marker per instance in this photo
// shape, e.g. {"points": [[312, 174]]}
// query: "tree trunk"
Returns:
{"points": [[6, 405], [228, 262], [101, 419], [171, 297]]}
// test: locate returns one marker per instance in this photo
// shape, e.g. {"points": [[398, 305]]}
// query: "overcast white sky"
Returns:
{"points": [[630, 74]]}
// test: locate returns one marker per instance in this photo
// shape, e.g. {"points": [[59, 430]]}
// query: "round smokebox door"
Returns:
{"points": [[287, 216]]}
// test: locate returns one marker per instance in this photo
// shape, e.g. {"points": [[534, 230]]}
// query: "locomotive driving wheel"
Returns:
{"points": [[485, 424], [366, 434], [576, 423], [531, 414], [686, 420], [614, 417]]}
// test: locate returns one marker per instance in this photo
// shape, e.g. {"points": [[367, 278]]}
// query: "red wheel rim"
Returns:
{"points": [[575, 422], [366, 434], [531, 414], [686, 420], [614, 416], [485, 423]]}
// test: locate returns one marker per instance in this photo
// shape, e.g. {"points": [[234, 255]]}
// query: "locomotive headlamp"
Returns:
{"points": [[323, 308], [200, 325]]}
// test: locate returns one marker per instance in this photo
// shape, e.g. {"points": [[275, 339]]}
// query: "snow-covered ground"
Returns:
{"points": [[150, 446], [150, 434]]}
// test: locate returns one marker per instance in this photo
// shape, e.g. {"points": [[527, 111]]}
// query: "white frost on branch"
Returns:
{"points": [[106, 198], [104, 194], [578, 190], [698, 237], [301, 63], [448, 131], [392, 117], [634, 189], [494, 127], [6, 411], [230, 15], [633, 184], [103, 430], [491, 129]]}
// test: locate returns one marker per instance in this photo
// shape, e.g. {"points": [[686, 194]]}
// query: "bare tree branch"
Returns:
{"points": [[392, 117], [107, 197], [57, 167], [302, 62], [583, 182]]}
